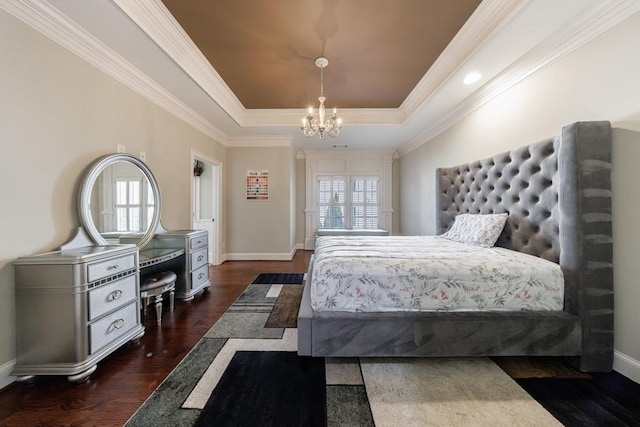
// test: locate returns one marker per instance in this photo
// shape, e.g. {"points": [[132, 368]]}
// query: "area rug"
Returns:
{"points": [[279, 278], [279, 390], [285, 310], [241, 372]]}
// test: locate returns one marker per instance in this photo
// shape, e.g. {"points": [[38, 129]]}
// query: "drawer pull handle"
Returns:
{"points": [[113, 267], [200, 258], [118, 323], [200, 276], [115, 295]]}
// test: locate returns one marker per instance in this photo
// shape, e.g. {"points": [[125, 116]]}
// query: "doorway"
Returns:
{"points": [[206, 197]]}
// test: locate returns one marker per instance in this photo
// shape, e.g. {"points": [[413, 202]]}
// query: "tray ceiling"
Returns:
{"points": [[242, 71], [378, 50]]}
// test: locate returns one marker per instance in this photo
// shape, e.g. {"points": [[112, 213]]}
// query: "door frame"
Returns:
{"points": [[217, 209]]}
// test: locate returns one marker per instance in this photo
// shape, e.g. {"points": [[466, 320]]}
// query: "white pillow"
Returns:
{"points": [[477, 230]]}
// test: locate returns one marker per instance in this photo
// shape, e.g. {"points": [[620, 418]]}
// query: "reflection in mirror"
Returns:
{"points": [[120, 201]]}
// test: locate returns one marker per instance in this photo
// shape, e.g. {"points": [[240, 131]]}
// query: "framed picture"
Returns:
{"points": [[257, 184]]}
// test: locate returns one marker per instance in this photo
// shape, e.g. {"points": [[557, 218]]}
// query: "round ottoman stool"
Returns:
{"points": [[154, 285]]}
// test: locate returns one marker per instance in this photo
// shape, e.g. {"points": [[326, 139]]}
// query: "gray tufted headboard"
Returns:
{"points": [[558, 196], [523, 182]]}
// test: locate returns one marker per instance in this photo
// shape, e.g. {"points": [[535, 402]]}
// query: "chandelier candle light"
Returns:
{"points": [[312, 125]]}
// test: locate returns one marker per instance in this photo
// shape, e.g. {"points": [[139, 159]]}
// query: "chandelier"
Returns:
{"points": [[312, 125]]}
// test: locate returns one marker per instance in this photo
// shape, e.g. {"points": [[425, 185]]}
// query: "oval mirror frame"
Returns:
{"points": [[88, 183]]}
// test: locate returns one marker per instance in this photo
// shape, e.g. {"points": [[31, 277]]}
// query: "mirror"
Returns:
{"points": [[120, 201]]}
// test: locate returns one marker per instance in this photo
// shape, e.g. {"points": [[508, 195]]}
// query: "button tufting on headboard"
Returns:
{"points": [[520, 182]]}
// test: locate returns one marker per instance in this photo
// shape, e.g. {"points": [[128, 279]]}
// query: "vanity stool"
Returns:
{"points": [[154, 285]]}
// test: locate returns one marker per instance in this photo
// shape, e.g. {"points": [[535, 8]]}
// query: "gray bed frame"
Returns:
{"points": [[558, 196]]}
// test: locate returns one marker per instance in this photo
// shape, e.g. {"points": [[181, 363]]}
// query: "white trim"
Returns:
{"points": [[383, 170], [583, 29], [488, 18], [355, 154], [155, 20], [277, 256], [5, 373], [626, 365], [352, 117], [195, 154], [48, 20]]}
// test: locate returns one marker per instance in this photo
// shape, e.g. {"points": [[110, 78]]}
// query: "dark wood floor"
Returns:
{"points": [[125, 379]]}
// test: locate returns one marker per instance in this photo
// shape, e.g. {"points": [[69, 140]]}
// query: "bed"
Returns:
{"points": [[557, 195]]}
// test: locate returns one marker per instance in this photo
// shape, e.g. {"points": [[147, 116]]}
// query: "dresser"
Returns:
{"points": [[193, 269], [74, 308]]}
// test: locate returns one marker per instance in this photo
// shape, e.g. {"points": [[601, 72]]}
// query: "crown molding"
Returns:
{"points": [[584, 28], [157, 22], [154, 19], [259, 141], [43, 17], [488, 18], [351, 154], [349, 116]]}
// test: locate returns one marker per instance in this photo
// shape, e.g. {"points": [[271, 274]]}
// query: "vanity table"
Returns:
{"points": [[166, 248], [158, 257], [193, 274], [74, 307], [78, 304]]}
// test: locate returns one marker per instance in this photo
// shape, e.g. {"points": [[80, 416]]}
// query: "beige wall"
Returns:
{"points": [[599, 81], [58, 114], [259, 229]]}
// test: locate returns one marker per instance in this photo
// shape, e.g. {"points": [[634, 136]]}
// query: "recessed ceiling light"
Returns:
{"points": [[471, 78]]}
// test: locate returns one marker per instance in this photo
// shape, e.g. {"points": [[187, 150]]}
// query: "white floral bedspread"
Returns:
{"points": [[427, 273]]}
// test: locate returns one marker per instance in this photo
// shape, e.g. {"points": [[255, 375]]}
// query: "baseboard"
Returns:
{"points": [[5, 373], [259, 256], [626, 365]]}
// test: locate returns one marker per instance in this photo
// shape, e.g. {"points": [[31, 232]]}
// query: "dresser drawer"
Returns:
{"points": [[113, 326], [198, 242], [199, 276], [199, 258], [109, 297], [99, 270]]}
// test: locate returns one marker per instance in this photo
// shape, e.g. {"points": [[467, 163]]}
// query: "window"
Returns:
{"points": [[356, 210], [331, 201], [364, 203]]}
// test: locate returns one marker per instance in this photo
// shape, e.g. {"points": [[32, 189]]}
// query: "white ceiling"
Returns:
{"points": [[140, 44]]}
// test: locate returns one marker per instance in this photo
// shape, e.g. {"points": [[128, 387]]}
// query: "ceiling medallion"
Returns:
{"points": [[312, 125]]}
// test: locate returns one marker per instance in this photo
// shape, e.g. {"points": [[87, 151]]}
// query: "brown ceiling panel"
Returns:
{"points": [[265, 50]]}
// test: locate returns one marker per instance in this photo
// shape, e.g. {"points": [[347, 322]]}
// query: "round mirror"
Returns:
{"points": [[120, 201]]}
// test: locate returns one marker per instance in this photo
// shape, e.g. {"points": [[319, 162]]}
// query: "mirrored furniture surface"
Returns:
{"points": [[77, 305]]}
